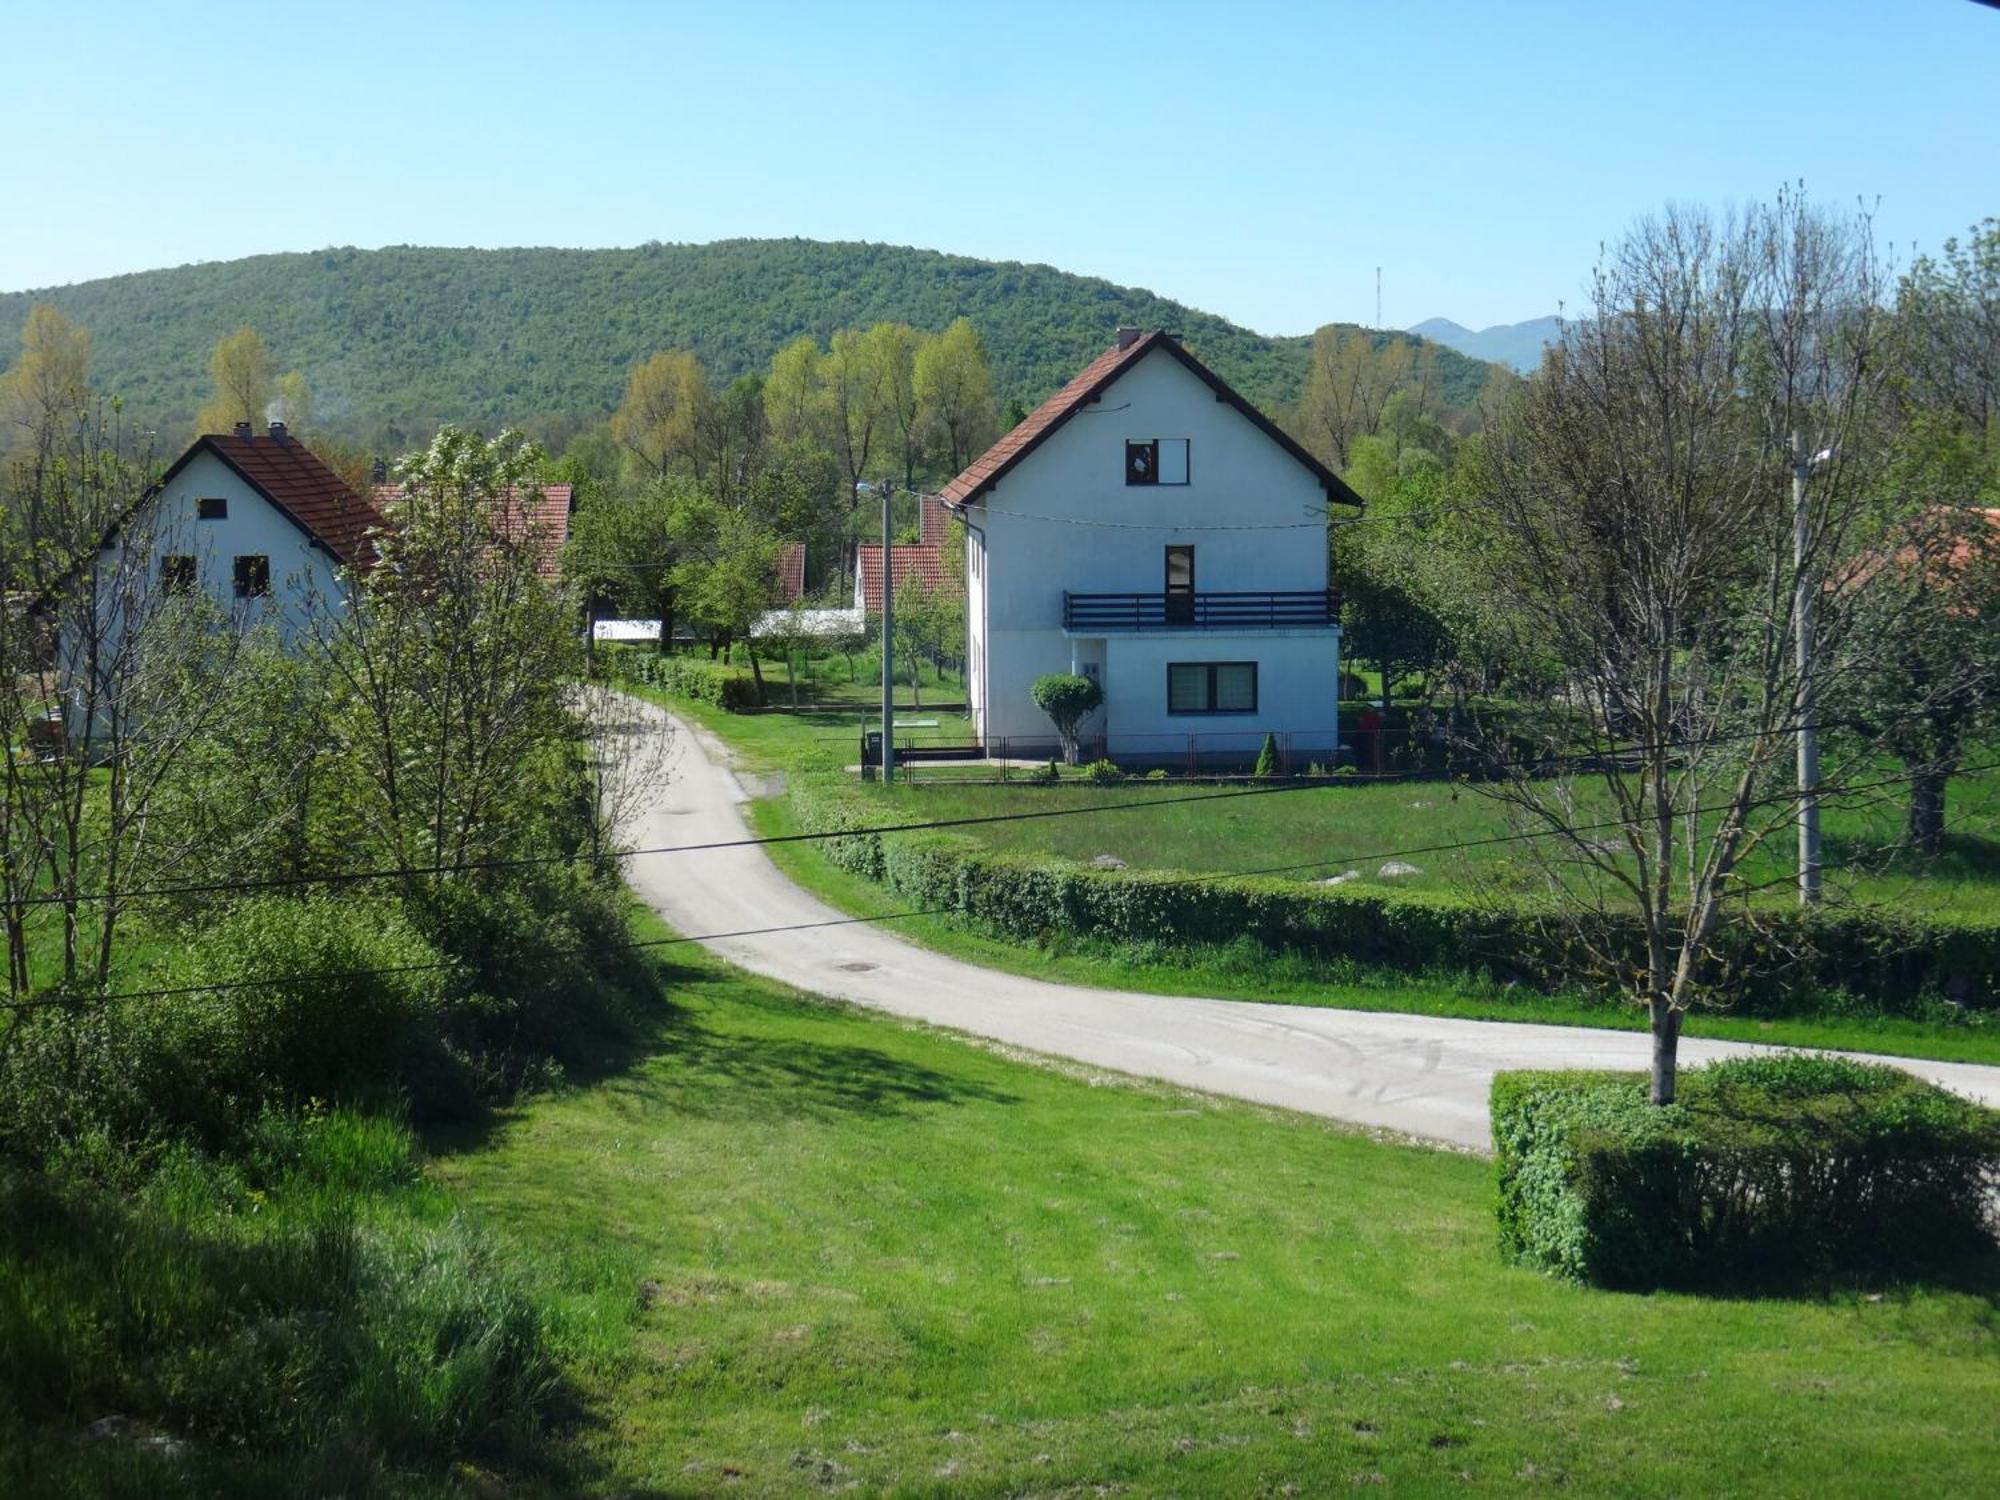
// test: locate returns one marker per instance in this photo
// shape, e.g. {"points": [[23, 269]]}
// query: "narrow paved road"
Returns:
{"points": [[1421, 1075]]}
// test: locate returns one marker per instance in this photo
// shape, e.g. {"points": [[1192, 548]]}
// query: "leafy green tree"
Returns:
{"points": [[450, 669], [728, 576], [795, 394], [46, 389], [954, 394], [623, 550], [245, 382], [1068, 699], [664, 422]]}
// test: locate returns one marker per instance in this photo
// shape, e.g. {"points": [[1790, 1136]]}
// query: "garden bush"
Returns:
{"points": [[688, 677], [1103, 772], [1898, 964], [1766, 1168]]}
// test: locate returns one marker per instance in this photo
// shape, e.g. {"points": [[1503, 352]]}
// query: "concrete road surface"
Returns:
{"points": [[1421, 1075]]}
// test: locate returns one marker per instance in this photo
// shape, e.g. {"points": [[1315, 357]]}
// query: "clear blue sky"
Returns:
{"points": [[1255, 160]]}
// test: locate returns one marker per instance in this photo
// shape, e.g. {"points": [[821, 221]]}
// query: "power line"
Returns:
{"points": [[310, 977], [425, 872]]}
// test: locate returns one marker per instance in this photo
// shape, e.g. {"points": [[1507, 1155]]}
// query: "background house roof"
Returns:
{"points": [[911, 560], [1091, 382], [545, 517]]}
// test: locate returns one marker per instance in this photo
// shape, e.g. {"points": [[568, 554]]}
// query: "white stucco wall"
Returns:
{"points": [[1064, 519], [304, 576]]}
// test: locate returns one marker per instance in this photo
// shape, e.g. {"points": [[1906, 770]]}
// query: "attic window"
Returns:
{"points": [[1156, 461], [253, 576], [212, 508]]}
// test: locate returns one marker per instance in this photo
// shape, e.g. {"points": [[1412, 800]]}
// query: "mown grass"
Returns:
{"points": [[855, 1253], [1246, 971], [792, 744], [1327, 827]]}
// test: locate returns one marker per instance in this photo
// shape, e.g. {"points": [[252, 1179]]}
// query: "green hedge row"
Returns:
{"points": [[1895, 964], [687, 677], [1764, 1168]]}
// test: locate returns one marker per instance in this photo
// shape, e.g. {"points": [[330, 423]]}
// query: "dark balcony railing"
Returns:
{"points": [[1261, 611]]}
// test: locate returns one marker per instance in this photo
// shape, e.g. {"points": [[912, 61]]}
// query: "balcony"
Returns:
{"points": [[1292, 609]]}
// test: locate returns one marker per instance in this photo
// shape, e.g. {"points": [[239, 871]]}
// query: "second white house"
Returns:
{"points": [[1149, 527]]}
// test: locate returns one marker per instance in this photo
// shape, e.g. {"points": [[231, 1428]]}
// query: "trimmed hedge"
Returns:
{"points": [[1896, 964], [689, 677], [1766, 1168]]}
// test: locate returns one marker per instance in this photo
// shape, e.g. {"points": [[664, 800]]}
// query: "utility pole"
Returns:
{"points": [[1803, 608], [888, 643]]}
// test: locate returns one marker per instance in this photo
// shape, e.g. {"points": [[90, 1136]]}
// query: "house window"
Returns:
{"points": [[253, 576], [1156, 461], [212, 508], [1212, 687], [1180, 585], [177, 575]]}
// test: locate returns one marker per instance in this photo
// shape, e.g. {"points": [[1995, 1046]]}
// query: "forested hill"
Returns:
{"points": [[396, 341]]}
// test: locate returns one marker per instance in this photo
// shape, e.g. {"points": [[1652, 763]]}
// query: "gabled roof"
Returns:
{"points": [[1091, 382], [299, 484], [792, 572], [546, 515], [910, 560]]}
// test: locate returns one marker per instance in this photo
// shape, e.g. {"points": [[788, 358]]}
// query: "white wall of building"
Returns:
{"points": [[1065, 519], [304, 576]]}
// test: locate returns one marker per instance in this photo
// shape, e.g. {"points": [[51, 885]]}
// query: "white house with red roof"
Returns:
{"points": [[255, 520], [1149, 527]]}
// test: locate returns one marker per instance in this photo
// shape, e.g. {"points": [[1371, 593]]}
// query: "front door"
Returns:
{"points": [[1180, 585]]}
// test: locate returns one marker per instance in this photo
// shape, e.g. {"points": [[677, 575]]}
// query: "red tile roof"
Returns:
{"points": [[294, 478], [918, 560], [545, 516], [985, 471], [792, 573], [1091, 382]]}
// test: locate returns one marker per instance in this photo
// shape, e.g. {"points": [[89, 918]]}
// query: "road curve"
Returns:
{"points": [[1419, 1075]]}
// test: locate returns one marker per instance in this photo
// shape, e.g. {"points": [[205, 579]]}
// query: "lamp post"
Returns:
{"points": [[1804, 606]]}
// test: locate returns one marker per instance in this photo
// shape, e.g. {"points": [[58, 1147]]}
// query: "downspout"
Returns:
{"points": [[964, 518]]}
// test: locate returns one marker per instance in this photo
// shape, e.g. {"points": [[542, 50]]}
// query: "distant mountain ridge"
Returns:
{"points": [[399, 340], [1519, 345]]}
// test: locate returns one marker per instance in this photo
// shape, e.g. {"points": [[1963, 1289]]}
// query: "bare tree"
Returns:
{"points": [[112, 662], [1646, 545]]}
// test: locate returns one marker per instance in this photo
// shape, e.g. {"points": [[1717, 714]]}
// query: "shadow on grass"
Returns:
{"points": [[674, 1060]]}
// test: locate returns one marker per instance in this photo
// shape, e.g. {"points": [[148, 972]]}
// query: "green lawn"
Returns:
{"points": [[850, 1252], [1248, 972]]}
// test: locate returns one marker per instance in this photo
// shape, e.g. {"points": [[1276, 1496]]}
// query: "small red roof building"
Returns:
{"points": [[922, 560]]}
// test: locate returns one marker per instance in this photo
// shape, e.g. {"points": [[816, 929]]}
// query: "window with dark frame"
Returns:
{"points": [[212, 508], [1212, 687], [253, 576], [1156, 461], [1180, 585], [177, 575]]}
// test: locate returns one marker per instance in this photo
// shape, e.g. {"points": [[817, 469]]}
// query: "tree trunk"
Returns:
{"points": [[1927, 789], [916, 681], [1666, 1051], [756, 672]]}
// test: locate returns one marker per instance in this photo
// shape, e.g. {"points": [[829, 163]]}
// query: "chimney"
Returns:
{"points": [[243, 429], [1127, 337], [277, 432]]}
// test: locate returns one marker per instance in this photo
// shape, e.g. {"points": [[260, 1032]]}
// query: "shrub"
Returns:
{"points": [[1158, 773], [1046, 775], [1102, 772], [1895, 964], [1267, 758], [1764, 1168], [690, 677], [205, 1061], [1067, 699]]}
